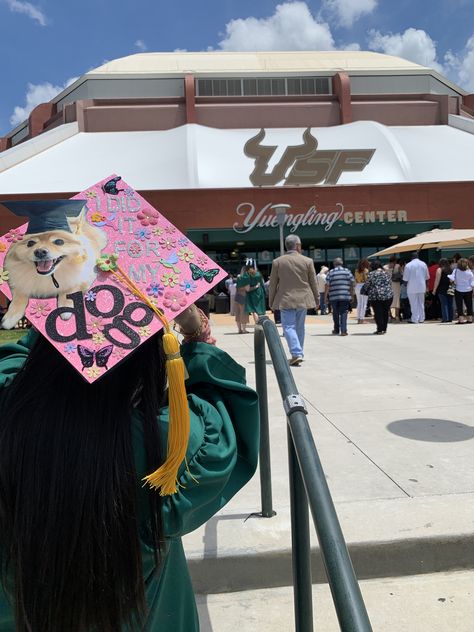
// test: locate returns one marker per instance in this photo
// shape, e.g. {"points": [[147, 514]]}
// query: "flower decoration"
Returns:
{"points": [[202, 261], [97, 217], [91, 194], [144, 331], [168, 243], [107, 262], [183, 241], [118, 352], [38, 310], [134, 248], [129, 193], [70, 347], [185, 253], [174, 300], [90, 296], [170, 279], [155, 289], [95, 325], [170, 229], [142, 234], [93, 372], [188, 286], [98, 338], [148, 217], [157, 231], [3, 275], [14, 235], [2, 247]]}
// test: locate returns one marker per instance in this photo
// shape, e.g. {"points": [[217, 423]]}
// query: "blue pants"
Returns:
{"points": [[292, 321], [446, 301], [322, 302], [339, 315]]}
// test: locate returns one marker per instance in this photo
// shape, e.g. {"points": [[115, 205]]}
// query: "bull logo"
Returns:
{"points": [[308, 165]]}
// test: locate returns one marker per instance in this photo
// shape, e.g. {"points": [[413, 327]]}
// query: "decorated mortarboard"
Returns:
{"points": [[98, 275]]}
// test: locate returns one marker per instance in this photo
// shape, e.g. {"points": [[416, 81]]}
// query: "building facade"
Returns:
{"points": [[363, 149]]}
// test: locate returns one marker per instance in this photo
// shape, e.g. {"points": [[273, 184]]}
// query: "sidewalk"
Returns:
{"points": [[393, 421]]}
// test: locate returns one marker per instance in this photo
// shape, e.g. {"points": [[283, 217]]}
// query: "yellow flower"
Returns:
{"points": [[98, 338], [93, 372], [144, 331], [3, 275]]}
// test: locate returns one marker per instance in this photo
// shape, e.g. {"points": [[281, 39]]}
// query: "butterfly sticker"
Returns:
{"points": [[101, 356], [199, 273], [111, 186]]}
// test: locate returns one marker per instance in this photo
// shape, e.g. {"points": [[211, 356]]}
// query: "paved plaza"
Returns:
{"points": [[393, 421]]}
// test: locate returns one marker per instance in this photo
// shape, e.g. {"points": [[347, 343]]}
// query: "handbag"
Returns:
{"points": [[452, 286], [397, 276], [364, 290]]}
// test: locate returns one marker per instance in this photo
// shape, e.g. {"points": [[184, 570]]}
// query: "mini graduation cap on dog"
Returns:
{"points": [[126, 273], [45, 215]]}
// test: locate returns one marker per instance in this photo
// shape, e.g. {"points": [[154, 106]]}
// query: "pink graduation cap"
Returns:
{"points": [[68, 272]]}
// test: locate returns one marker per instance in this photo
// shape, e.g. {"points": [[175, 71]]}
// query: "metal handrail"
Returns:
{"points": [[307, 485]]}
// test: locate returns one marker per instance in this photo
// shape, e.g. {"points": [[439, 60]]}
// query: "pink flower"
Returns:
{"points": [[174, 300], [14, 235], [168, 243], [39, 309], [202, 261], [95, 325], [148, 217], [170, 228]]}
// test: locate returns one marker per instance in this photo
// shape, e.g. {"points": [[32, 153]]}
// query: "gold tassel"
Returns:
{"points": [[165, 478]]}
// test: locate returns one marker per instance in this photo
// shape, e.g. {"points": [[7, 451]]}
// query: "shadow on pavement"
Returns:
{"points": [[436, 430]]}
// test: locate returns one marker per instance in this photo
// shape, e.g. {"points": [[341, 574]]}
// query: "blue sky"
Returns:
{"points": [[46, 43]]}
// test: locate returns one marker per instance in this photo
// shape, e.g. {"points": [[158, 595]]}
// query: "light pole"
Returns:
{"points": [[280, 210]]}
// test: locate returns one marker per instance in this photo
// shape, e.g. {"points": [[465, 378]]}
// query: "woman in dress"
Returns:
{"points": [[361, 274], [380, 293], [84, 546], [255, 304], [441, 289]]}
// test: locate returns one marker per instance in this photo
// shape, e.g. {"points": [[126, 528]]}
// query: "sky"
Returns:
{"points": [[46, 44]]}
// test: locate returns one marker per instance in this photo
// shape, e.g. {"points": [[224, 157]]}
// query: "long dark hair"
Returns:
{"points": [[69, 545]]}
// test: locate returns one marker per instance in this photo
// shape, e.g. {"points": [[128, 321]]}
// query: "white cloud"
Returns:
{"points": [[413, 44], [37, 93], [19, 6], [347, 12], [461, 66], [140, 44], [291, 27]]}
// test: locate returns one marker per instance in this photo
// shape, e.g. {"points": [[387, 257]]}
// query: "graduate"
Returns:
{"points": [[115, 440]]}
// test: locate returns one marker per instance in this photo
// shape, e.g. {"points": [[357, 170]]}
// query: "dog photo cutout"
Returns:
{"points": [[90, 272]]}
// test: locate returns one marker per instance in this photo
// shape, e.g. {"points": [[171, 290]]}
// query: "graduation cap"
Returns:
{"points": [[45, 215], [126, 275]]}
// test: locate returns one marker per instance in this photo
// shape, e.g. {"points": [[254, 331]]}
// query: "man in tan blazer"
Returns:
{"points": [[293, 290]]}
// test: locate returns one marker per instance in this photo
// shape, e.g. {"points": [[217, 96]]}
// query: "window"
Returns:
{"points": [[263, 86]]}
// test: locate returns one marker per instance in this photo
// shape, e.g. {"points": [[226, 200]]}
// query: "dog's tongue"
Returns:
{"points": [[45, 265]]}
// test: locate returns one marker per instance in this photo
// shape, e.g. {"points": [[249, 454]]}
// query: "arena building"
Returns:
{"points": [[364, 149]]}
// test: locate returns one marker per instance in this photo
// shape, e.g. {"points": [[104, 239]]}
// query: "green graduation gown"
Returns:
{"points": [[256, 298], [222, 456]]}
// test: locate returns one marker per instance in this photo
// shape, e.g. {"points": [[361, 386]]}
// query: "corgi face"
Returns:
{"points": [[46, 252]]}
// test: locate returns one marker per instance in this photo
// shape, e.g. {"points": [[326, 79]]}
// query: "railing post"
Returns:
{"points": [[261, 387], [301, 545]]}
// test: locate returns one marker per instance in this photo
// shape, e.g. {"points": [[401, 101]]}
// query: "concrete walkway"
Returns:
{"points": [[393, 421]]}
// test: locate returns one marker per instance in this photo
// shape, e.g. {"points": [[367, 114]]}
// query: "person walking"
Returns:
{"points": [[321, 281], [232, 289], [293, 290], [463, 279], [361, 273], [442, 288], [416, 276], [340, 291], [380, 293], [241, 315], [255, 303]]}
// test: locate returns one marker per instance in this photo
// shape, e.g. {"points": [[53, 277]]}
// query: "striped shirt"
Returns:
{"points": [[340, 281]]}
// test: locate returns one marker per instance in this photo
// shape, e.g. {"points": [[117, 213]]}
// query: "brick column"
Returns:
{"points": [[190, 97], [342, 89]]}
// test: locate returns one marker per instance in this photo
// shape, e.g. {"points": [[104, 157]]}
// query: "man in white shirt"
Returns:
{"points": [[416, 275]]}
